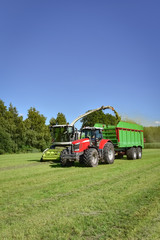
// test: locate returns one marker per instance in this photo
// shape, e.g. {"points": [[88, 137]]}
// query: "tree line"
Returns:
{"points": [[18, 135], [152, 134]]}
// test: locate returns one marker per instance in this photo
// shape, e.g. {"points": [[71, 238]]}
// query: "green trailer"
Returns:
{"points": [[126, 137]]}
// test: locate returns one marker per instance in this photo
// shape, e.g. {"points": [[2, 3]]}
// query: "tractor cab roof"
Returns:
{"points": [[54, 126], [92, 128]]}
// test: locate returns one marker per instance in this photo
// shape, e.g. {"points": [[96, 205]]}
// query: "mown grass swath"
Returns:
{"points": [[46, 201]]}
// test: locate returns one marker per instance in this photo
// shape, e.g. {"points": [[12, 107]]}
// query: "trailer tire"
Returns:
{"points": [[90, 157], [108, 153], [139, 153], [132, 153], [65, 162]]}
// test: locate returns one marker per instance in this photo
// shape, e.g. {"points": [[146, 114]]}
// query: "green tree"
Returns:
{"points": [[16, 127], [98, 117], [3, 109], [111, 120], [61, 119], [9, 131], [3, 112], [91, 119], [152, 134], [5, 137], [37, 133], [37, 120], [6, 143], [52, 121]]}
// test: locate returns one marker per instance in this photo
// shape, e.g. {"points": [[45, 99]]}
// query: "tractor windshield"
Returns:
{"points": [[86, 133], [62, 133], [91, 134]]}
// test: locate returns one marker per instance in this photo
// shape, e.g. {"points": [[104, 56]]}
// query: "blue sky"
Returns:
{"points": [[70, 56]]}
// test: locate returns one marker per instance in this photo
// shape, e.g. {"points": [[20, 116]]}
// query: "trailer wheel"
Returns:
{"points": [[132, 153], [108, 153], [65, 162], [139, 153], [91, 157]]}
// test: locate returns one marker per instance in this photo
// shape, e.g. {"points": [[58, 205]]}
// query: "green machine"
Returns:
{"points": [[64, 135], [127, 138]]}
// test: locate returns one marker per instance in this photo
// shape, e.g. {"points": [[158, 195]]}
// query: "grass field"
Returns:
{"points": [[46, 201]]}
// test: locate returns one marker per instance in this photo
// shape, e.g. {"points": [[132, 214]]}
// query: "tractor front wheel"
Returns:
{"points": [[90, 157], [64, 161]]}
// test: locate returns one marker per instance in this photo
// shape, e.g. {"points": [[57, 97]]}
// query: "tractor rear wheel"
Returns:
{"points": [[108, 153], [90, 157], [132, 153], [64, 161], [81, 159]]}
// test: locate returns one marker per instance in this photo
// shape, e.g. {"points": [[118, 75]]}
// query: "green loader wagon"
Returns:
{"points": [[127, 138]]}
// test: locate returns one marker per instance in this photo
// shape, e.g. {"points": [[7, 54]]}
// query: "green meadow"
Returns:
{"points": [[45, 201]]}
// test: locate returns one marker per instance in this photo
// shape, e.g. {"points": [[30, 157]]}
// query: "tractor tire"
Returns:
{"points": [[90, 157], [132, 153], [65, 162], [81, 160], [41, 160], [108, 153], [139, 153]]}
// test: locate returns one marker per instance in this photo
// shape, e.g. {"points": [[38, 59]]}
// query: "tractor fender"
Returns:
{"points": [[103, 142]]}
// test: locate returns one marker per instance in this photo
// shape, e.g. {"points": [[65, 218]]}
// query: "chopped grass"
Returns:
{"points": [[46, 201]]}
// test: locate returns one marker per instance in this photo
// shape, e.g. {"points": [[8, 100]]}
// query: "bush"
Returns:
{"points": [[2, 151], [26, 149], [152, 145]]}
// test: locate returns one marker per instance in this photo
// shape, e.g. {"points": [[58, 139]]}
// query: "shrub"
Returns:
{"points": [[2, 151], [152, 145]]}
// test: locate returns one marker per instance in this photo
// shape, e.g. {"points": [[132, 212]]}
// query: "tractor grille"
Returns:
{"points": [[76, 147]]}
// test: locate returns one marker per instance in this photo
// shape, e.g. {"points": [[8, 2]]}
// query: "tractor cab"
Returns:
{"points": [[93, 133]]}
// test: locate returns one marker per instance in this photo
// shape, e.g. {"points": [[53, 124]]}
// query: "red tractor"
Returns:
{"points": [[90, 149]]}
